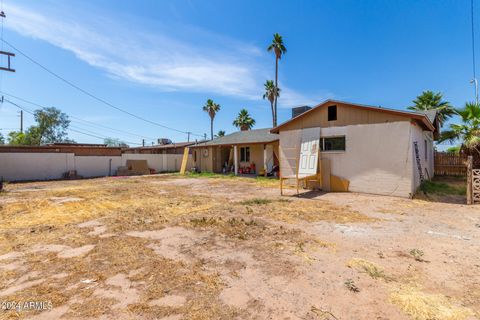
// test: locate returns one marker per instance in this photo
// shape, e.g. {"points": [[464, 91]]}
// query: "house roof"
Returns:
{"points": [[431, 115], [243, 137], [163, 146], [422, 117]]}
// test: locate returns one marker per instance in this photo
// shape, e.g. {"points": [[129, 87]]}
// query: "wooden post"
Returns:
{"points": [[235, 159], [265, 160], [469, 165]]}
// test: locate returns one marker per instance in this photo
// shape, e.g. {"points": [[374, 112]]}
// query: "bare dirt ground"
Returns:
{"points": [[169, 247]]}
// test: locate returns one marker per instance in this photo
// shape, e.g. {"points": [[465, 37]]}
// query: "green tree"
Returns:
{"points": [[468, 132], [211, 108], [278, 48], [244, 121], [453, 149], [115, 142], [220, 133], [51, 126], [430, 100], [2, 139], [271, 93], [16, 138]]}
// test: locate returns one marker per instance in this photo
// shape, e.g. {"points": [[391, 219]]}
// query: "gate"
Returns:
{"points": [[473, 182], [476, 185]]}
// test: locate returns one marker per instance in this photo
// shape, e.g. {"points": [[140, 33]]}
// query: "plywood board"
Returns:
{"points": [[183, 168]]}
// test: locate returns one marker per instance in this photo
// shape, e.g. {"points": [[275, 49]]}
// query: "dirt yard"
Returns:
{"points": [[170, 247]]}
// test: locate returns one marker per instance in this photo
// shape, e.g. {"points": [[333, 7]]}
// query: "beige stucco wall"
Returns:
{"points": [[420, 136], [18, 166], [378, 158]]}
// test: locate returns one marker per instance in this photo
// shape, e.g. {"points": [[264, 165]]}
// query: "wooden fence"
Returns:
{"points": [[450, 164]]}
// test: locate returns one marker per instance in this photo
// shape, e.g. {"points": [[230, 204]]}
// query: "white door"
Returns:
{"points": [[308, 161]]}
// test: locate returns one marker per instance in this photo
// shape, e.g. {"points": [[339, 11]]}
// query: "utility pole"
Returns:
{"points": [[205, 136], [143, 142], [475, 83], [188, 136], [21, 121]]}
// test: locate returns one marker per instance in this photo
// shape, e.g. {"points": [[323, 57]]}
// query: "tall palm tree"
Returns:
{"points": [[211, 108], [244, 121], [270, 91], [279, 49], [468, 132], [430, 100]]}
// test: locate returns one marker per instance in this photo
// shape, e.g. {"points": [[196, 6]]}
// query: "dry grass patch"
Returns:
{"points": [[293, 211], [423, 306], [370, 268]]}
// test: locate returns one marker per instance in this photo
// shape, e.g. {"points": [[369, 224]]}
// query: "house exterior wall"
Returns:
{"points": [[378, 158], [423, 139], [346, 115]]}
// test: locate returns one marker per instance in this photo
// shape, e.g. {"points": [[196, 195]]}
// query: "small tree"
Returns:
{"points": [[2, 139], [51, 127], [220, 133], [244, 121], [115, 142]]}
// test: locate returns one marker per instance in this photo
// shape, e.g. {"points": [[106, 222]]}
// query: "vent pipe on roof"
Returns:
{"points": [[299, 110]]}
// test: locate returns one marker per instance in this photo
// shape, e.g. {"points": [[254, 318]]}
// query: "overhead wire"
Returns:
{"points": [[77, 118], [101, 100], [77, 129]]}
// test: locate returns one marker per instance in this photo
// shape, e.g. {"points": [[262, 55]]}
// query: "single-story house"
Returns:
{"points": [[170, 148], [370, 149], [243, 152]]}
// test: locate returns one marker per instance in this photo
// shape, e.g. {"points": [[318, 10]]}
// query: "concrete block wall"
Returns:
{"points": [[19, 166]]}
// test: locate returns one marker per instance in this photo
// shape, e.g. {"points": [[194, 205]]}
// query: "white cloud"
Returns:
{"points": [[216, 65]]}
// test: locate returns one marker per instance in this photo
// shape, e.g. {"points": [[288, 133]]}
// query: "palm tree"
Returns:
{"points": [[468, 132], [270, 91], [211, 108], [430, 100], [244, 121], [278, 48], [220, 133]]}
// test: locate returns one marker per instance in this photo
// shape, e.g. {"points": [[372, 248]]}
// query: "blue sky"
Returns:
{"points": [[163, 59]]}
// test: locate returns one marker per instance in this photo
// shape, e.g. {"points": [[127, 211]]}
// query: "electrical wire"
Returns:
{"points": [[473, 40], [92, 134], [92, 95], [78, 119]]}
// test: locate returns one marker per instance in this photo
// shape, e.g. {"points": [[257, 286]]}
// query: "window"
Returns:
{"points": [[245, 154], [332, 113], [332, 144]]}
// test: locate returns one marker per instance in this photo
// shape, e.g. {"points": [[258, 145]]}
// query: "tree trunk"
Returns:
{"points": [[211, 128], [276, 92], [273, 113]]}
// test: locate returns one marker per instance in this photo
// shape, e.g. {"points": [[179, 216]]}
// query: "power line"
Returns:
{"points": [[92, 134], [90, 94], [474, 80], [79, 119]]}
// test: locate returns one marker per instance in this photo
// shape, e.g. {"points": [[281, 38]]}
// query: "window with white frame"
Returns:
{"points": [[332, 143], [245, 154]]}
